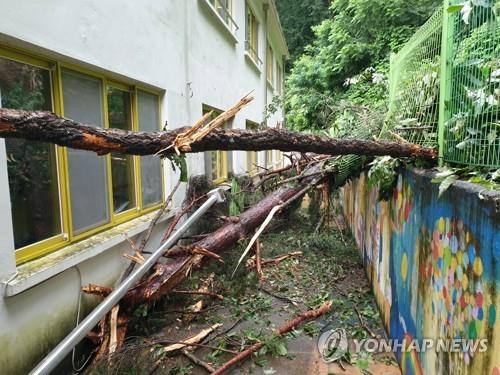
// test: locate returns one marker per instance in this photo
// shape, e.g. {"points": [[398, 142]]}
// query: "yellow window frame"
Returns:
{"points": [[252, 161], [222, 157], [67, 235]]}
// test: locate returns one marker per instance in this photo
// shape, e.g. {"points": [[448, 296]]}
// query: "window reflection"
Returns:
{"points": [[122, 166], [31, 165]]}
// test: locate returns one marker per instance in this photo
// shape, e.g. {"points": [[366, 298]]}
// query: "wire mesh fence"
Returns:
{"points": [[472, 123], [445, 92], [415, 85]]}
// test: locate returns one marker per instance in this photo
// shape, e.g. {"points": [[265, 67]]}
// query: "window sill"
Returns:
{"points": [[227, 29], [253, 63], [37, 271]]}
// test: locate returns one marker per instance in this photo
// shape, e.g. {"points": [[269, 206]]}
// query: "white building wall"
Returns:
{"points": [[177, 46]]}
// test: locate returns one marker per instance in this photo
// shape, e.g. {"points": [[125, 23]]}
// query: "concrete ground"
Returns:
{"points": [[329, 269]]}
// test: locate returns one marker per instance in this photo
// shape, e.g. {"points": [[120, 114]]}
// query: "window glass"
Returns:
{"points": [[31, 165], [252, 35], [219, 159], [122, 166], [251, 155], [83, 102], [279, 79], [149, 120], [270, 64], [223, 7], [269, 158]]}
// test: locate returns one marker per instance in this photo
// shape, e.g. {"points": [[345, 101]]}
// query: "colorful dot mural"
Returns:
{"points": [[455, 267], [435, 266]]}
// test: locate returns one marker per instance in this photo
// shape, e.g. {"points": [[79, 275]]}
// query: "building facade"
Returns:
{"points": [[65, 214]]}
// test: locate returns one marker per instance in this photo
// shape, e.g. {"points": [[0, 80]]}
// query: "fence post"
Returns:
{"points": [[445, 77]]}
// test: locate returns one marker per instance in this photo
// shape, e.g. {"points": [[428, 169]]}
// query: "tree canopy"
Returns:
{"points": [[297, 18], [343, 71]]}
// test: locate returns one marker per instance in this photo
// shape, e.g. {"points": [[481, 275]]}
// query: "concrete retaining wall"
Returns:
{"points": [[434, 265]]}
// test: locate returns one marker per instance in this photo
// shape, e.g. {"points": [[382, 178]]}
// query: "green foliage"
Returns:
{"points": [[473, 131], [360, 34], [297, 18], [179, 161], [383, 175], [488, 179], [237, 201]]}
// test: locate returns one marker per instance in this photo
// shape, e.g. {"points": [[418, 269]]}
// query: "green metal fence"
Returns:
{"points": [[415, 85], [445, 85]]}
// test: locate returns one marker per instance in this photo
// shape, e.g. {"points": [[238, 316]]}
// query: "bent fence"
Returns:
{"points": [[445, 85]]}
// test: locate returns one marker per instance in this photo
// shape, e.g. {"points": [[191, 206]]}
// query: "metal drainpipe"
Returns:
{"points": [[65, 346]]}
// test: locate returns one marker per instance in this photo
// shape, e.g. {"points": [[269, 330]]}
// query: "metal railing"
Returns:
{"points": [[222, 8], [79, 332]]}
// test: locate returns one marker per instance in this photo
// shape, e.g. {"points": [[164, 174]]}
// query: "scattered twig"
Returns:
{"points": [[363, 324], [197, 292], [233, 326], [191, 340], [151, 226], [258, 264], [198, 361], [320, 223], [282, 298], [198, 306], [270, 216], [113, 322], [251, 263], [287, 327]]}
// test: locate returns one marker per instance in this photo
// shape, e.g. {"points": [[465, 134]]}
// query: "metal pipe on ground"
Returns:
{"points": [[79, 332]]}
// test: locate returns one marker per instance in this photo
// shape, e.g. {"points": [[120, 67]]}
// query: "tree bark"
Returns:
{"points": [[166, 276], [48, 127], [287, 327]]}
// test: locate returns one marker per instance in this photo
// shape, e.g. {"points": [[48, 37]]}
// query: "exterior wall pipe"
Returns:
{"points": [[65, 346]]}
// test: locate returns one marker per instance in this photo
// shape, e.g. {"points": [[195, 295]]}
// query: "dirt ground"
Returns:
{"points": [[329, 269]]}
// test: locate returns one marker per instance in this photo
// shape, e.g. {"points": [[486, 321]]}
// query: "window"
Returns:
{"points": [[122, 166], [252, 36], [252, 155], [219, 160], [279, 79], [270, 65], [59, 195], [224, 9], [88, 175], [269, 158], [151, 176], [32, 166]]}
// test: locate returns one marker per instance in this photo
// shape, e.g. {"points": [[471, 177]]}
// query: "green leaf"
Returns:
{"points": [[281, 349], [179, 161], [446, 183], [362, 363], [454, 8]]}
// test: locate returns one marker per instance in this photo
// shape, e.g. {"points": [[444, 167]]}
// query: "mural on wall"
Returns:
{"points": [[434, 266]]}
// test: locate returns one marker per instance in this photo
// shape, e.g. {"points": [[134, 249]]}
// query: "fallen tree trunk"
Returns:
{"points": [[166, 276], [48, 127]]}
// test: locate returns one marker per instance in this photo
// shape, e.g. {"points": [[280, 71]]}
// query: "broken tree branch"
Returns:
{"points": [[198, 361], [287, 327], [191, 340], [51, 128], [197, 292]]}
